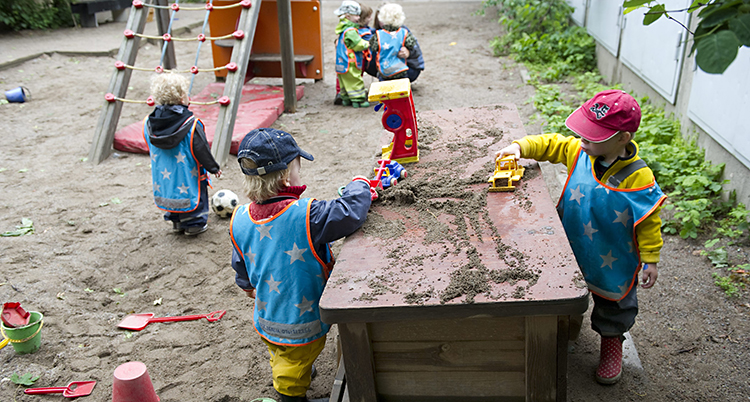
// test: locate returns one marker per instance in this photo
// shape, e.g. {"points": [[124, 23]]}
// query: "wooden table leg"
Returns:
{"points": [[563, 337], [541, 358], [360, 382]]}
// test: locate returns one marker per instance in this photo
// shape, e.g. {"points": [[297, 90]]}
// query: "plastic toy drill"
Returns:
{"points": [[399, 118], [507, 173]]}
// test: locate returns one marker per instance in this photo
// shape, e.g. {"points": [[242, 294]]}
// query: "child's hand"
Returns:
{"points": [[217, 174], [512, 149], [649, 275], [403, 53], [250, 293]]}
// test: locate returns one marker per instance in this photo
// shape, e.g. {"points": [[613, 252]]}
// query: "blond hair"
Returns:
{"points": [[391, 15], [261, 188], [170, 89]]}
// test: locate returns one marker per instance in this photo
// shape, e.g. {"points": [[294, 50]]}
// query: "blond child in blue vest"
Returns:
{"points": [[282, 255], [180, 156], [610, 211]]}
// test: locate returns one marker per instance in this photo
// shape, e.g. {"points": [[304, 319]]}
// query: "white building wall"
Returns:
{"points": [[710, 108]]}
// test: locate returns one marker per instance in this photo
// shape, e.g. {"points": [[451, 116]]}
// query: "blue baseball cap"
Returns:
{"points": [[271, 149]]}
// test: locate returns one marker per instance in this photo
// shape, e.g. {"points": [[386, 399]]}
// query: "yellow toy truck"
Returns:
{"points": [[507, 173]]}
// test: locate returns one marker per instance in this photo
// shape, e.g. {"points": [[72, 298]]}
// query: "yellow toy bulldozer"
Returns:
{"points": [[507, 173]]}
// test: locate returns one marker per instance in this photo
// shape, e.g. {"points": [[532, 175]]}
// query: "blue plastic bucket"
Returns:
{"points": [[17, 95]]}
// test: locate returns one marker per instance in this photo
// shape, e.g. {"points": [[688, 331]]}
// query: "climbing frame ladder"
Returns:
{"points": [[110, 115]]}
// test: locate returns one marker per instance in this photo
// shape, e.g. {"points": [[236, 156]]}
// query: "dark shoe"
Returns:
{"points": [[346, 102], [337, 100], [287, 398], [176, 227], [196, 230]]}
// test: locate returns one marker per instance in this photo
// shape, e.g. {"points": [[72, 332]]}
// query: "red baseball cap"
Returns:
{"points": [[602, 116]]}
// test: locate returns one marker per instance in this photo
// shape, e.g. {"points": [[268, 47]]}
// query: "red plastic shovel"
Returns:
{"points": [[72, 390], [137, 322]]}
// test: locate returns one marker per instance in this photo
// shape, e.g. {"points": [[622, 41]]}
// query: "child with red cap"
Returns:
{"points": [[609, 209]]}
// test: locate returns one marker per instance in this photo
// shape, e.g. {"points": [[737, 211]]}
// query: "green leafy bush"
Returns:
{"points": [[16, 15]]}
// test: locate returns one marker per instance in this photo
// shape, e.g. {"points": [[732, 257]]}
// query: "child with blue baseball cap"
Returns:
{"points": [[281, 252]]}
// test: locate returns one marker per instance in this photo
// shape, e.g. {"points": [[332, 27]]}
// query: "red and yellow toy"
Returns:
{"points": [[399, 117]]}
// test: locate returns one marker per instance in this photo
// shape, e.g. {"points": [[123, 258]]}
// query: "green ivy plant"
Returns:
{"points": [[724, 28], [540, 34]]}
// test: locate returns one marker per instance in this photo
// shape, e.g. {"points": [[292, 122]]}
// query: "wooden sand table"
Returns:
{"points": [[449, 292]]}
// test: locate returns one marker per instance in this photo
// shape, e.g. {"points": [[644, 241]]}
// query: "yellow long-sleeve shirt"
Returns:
{"points": [[557, 148]]}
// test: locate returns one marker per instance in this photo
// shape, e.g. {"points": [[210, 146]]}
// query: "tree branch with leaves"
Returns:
{"points": [[723, 28]]}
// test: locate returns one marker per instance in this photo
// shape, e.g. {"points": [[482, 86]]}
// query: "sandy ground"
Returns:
{"points": [[96, 230]]}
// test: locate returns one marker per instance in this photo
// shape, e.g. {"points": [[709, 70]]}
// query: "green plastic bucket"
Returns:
{"points": [[26, 339]]}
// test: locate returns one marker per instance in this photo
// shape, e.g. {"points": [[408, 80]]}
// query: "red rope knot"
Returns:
{"points": [[167, 37], [119, 65], [150, 101], [194, 69], [159, 69], [209, 7], [224, 101], [238, 34], [129, 34], [109, 97], [202, 37], [232, 67], [175, 7], [137, 4], [246, 3]]}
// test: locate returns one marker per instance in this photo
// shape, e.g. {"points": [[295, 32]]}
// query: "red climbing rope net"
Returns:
{"points": [[167, 38]]}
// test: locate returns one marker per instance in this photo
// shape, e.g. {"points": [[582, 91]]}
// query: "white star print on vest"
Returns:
{"points": [[600, 224], [174, 173], [285, 271], [390, 43]]}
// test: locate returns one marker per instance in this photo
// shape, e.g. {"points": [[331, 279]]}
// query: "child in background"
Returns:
{"points": [[610, 211], [180, 156], [387, 43], [282, 256], [414, 59], [365, 32], [349, 54]]}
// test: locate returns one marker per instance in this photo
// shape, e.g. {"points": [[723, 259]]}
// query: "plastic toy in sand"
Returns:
{"points": [[399, 117], [387, 174], [507, 173]]}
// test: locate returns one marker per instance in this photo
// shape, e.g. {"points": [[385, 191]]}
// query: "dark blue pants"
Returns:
{"points": [[413, 74], [614, 318], [195, 218]]}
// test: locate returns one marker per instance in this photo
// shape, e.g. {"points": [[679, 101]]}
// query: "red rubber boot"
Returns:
{"points": [[610, 361]]}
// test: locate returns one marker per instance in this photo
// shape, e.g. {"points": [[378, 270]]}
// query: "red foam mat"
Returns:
{"points": [[260, 106]]}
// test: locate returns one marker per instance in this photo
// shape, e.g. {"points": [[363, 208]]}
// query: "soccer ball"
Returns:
{"points": [[224, 202]]}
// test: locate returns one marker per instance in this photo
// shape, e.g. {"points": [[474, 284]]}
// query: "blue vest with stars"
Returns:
{"points": [[176, 173], [600, 223], [390, 43], [342, 54], [286, 272]]}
